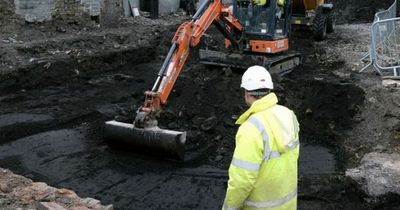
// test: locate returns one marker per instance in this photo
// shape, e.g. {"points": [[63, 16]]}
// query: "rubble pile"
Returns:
{"points": [[18, 192], [378, 174]]}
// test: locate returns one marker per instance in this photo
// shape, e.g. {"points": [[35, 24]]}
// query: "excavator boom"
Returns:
{"points": [[144, 131], [188, 35]]}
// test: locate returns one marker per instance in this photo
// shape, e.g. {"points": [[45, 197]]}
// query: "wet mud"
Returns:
{"points": [[64, 147], [51, 122]]}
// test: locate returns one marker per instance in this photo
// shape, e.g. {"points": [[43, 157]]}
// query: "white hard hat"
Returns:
{"points": [[256, 77]]}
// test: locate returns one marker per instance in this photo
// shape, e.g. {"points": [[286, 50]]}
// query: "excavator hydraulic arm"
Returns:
{"points": [[144, 132], [187, 36]]}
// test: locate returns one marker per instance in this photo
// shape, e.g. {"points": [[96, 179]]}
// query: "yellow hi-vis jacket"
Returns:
{"points": [[263, 171]]}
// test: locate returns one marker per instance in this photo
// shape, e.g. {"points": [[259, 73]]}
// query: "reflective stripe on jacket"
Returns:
{"points": [[263, 171]]}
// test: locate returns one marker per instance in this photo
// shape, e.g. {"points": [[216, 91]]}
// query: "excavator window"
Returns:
{"points": [[265, 22], [254, 18]]}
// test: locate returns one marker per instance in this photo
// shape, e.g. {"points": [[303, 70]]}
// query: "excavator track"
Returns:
{"points": [[276, 64]]}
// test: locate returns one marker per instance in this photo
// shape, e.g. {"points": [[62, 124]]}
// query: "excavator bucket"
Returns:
{"points": [[154, 138]]}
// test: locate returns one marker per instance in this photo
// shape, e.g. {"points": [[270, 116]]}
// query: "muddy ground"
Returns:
{"points": [[56, 93]]}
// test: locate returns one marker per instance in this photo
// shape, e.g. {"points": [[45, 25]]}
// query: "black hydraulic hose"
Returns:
{"points": [[167, 59], [164, 67], [174, 46], [201, 9]]}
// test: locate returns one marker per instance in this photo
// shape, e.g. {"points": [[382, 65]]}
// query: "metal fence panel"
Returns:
{"points": [[384, 52]]}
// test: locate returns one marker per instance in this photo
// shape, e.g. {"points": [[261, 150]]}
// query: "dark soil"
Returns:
{"points": [[65, 148], [51, 119]]}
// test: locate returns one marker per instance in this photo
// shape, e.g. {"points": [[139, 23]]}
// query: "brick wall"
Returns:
{"points": [[69, 10]]}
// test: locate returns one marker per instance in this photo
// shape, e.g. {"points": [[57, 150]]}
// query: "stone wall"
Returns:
{"points": [[7, 14], [69, 10], [111, 12], [34, 10]]}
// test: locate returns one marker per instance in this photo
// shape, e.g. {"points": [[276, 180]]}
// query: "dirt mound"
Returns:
{"points": [[351, 11]]}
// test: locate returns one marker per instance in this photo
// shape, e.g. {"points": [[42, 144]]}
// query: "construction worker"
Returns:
{"points": [[263, 171], [259, 2], [280, 3], [255, 12]]}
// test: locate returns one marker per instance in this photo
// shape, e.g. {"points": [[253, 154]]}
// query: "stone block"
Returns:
{"points": [[90, 202], [35, 192], [79, 208], [109, 207], [391, 82], [66, 193], [49, 206], [5, 188], [10, 181]]}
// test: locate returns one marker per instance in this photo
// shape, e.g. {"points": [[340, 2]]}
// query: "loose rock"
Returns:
{"points": [[378, 174], [209, 123]]}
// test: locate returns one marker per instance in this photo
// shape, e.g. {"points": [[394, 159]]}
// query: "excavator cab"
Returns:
{"points": [[266, 26], [263, 22]]}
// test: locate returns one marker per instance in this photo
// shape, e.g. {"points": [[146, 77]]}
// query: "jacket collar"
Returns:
{"points": [[258, 106]]}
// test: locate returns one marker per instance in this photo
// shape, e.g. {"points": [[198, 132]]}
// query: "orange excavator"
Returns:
{"points": [[256, 33]]}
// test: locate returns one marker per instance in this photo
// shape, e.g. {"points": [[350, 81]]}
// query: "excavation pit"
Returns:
{"points": [[57, 94], [71, 153]]}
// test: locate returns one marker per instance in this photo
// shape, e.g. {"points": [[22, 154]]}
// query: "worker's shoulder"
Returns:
{"points": [[281, 109], [254, 123]]}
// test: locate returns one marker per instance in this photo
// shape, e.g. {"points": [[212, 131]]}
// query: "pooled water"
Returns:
{"points": [[316, 160]]}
